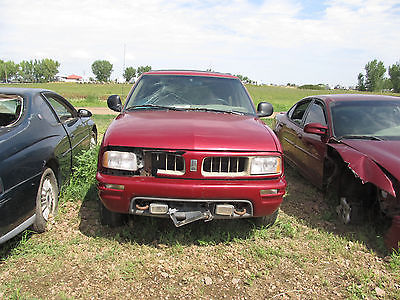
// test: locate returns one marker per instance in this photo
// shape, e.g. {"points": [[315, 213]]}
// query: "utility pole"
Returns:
{"points": [[124, 58]]}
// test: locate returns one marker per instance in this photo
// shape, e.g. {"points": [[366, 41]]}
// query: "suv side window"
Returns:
{"points": [[298, 113], [316, 114]]}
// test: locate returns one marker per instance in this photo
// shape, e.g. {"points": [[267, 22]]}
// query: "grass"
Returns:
{"points": [[300, 256], [306, 254]]}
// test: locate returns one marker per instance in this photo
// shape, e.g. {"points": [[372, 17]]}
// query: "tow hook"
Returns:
{"points": [[392, 237], [189, 216]]}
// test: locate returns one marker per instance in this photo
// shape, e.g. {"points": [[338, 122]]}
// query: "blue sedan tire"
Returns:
{"points": [[46, 200], [93, 140]]}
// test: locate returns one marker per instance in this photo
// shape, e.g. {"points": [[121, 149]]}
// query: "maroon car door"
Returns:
{"points": [[289, 130], [313, 146]]}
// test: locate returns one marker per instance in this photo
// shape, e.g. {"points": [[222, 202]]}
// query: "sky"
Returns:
{"points": [[269, 41]]}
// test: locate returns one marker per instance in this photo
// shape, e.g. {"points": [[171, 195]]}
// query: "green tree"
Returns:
{"points": [[26, 71], [50, 69], [142, 69], [394, 76], [361, 82], [37, 71], [102, 69], [245, 79], [45, 70], [8, 70], [374, 77], [129, 73]]}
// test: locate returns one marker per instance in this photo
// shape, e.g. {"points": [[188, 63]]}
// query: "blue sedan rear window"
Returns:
{"points": [[10, 109]]}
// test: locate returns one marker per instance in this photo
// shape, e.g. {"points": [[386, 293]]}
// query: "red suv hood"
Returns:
{"points": [[384, 153], [190, 130]]}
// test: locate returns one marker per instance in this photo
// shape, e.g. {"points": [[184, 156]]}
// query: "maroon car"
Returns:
{"points": [[189, 145], [349, 145]]}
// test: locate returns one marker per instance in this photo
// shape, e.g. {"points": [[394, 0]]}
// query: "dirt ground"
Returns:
{"points": [[307, 254]]}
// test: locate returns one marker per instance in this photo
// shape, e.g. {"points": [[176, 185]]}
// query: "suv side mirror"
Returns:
{"points": [[316, 128], [114, 103], [264, 109]]}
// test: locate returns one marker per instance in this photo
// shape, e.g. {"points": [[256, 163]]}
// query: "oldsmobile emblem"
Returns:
{"points": [[193, 165]]}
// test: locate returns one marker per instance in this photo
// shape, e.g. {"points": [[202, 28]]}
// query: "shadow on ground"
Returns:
{"points": [[7, 248], [305, 202]]}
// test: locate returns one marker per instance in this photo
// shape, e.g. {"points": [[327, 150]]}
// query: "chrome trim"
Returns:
{"points": [[189, 199], [170, 158], [132, 208], [18, 229], [246, 168], [230, 161]]}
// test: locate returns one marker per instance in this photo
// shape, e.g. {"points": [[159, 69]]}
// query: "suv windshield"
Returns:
{"points": [[190, 92], [367, 119]]}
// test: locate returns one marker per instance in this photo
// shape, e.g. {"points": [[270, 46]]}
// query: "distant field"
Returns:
{"points": [[92, 95]]}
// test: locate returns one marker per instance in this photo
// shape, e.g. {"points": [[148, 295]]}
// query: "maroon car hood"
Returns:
{"points": [[190, 130], [384, 153], [366, 158]]}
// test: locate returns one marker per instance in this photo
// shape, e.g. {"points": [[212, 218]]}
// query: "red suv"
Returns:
{"points": [[189, 145]]}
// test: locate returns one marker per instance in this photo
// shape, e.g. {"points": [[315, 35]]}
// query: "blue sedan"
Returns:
{"points": [[40, 135]]}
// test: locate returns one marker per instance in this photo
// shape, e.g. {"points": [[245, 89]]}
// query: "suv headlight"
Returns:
{"points": [[261, 165], [120, 160]]}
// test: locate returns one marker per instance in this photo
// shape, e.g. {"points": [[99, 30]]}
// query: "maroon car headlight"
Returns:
{"points": [[120, 160], [265, 165]]}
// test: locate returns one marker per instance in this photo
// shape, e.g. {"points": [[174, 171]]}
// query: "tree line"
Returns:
{"points": [[43, 70], [102, 69], [374, 78]]}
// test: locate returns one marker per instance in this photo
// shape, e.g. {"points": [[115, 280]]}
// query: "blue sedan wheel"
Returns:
{"points": [[46, 200], [93, 140]]}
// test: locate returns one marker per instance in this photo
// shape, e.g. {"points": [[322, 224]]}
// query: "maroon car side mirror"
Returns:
{"points": [[316, 128]]}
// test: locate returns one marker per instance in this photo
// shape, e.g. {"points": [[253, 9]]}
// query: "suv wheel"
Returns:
{"points": [[110, 218]]}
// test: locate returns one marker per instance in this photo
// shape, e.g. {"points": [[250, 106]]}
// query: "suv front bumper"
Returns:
{"points": [[131, 195]]}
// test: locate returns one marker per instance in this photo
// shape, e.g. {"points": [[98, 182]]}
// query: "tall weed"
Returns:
{"points": [[82, 183]]}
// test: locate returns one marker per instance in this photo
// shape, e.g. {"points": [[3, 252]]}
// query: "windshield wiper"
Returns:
{"points": [[152, 106], [217, 110], [362, 137]]}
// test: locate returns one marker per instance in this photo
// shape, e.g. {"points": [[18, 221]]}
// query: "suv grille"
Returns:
{"points": [[225, 166], [168, 163]]}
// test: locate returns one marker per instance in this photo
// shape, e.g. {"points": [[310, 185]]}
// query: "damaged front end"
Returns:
{"points": [[188, 186], [372, 187], [185, 211]]}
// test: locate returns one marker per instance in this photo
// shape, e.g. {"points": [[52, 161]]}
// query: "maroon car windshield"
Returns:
{"points": [[375, 120], [183, 92]]}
